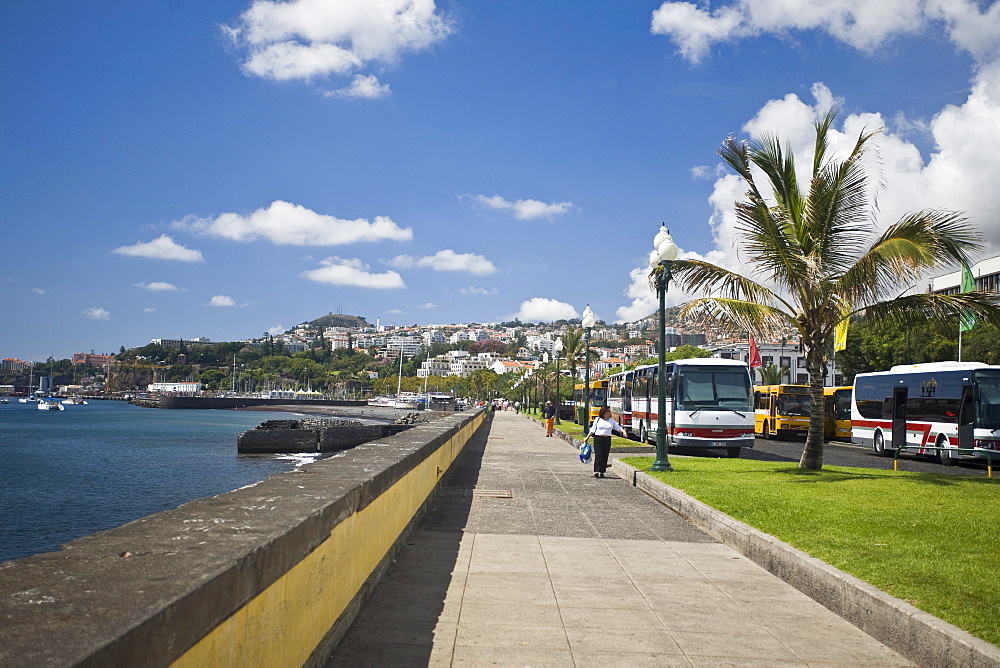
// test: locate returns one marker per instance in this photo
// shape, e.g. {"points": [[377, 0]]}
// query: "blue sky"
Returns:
{"points": [[223, 169]]}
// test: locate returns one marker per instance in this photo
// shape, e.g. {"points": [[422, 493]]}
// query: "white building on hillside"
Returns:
{"points": [[786, 357]]}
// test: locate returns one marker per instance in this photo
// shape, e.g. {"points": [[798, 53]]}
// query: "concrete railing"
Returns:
{"points": [[271, 574]]}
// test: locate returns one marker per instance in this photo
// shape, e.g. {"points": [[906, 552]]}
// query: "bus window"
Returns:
{"points": [[797, 405], [598, 396], [988, 406]]}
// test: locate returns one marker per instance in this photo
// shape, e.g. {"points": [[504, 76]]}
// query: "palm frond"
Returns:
{"points": [[778, 165], [743, 315], [699, 277], [922, 309], [898, 257], [839, 214]]}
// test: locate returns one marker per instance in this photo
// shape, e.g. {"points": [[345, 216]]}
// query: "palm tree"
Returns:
{"points": [[818, 250], [574, 347], [771, 374]]}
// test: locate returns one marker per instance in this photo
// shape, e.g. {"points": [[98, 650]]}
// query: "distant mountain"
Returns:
{"points": [[338, 320]]}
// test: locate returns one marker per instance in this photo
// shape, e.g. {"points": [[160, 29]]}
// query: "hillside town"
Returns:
{"points": [[417, 356], [465, 349]]}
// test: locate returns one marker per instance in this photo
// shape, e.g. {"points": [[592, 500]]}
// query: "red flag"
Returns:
{"points": [[754, 354]]}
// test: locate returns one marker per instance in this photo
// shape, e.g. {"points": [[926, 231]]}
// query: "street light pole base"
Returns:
{"points": [[661, 467]]}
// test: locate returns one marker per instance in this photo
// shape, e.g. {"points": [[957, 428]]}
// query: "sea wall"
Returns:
{"points": [[271, 574]]}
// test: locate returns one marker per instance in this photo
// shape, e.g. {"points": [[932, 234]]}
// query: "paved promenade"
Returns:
{"points": [[527, 559]]}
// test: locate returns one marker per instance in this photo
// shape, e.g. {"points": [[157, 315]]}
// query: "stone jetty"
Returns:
{"points": [[317, 434]]}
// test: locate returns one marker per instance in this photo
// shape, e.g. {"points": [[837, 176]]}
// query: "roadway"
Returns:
{"points": [[836, 453]]}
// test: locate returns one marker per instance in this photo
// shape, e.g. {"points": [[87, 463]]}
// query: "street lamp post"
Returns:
{"points": [[545, 378], [558, 398], [588, 324], [664, 253]]}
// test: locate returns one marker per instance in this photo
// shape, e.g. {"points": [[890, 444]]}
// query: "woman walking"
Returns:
{"points": [[602, 429]]}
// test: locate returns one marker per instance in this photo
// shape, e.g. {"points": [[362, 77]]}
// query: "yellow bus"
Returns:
{"points": [[598, 398], [781, 410], [837, 413]]}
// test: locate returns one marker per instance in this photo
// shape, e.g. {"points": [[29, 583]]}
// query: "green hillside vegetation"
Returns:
{"points": [[338, 320]]}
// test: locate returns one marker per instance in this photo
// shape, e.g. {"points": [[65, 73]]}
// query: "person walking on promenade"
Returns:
{"points": [[549, 413], [602, 429]]}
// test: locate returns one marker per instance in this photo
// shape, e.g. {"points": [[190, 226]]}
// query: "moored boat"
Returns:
{"points": [[50, 404]]}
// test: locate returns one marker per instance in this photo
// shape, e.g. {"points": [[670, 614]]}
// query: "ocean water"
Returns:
{"points": [[67, 474]]}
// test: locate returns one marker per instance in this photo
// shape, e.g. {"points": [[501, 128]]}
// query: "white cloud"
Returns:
{"points": [[95, 313], [540, 309], [37, 291], [276, 329], [863, 24], [161, 248], [396, 311], [707, 172], [446, 260], [364, 87], [524, 209], [478, 291], [429, 305], [221, 300], [290, 224], [308, 39], [149, 309], [353, 272], [157, 286]]}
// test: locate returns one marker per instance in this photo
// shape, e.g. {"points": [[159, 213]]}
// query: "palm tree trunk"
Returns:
{"points": [[812, 454]]}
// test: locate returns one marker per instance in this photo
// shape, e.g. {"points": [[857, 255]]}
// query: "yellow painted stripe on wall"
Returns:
{"points": [[283, 624]]}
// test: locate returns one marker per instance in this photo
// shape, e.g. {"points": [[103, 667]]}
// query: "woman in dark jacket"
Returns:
{"points": [[549, 413]]}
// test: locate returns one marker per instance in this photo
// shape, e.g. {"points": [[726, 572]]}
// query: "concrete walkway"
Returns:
{"points": [[527, 559]]}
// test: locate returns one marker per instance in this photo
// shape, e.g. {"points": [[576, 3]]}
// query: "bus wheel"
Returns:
{"points": [[879, 444], [946, 457], [733, 453]]}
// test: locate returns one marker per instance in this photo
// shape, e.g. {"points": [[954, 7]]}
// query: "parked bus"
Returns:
{"points": [[929, 405], [837, 413], [598, 398], [620, 399], [708, 404], [781, 410]]}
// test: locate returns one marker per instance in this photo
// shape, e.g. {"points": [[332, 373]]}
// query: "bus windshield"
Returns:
{"points": [[598, 396], [988, 407], [797, 405], [842, 405], [708, 387]]}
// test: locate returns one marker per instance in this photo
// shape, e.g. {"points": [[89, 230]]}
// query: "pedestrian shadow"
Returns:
{"points": [[412, 606]]}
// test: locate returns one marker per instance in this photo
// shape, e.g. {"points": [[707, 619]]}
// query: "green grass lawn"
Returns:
{"points": [[929, 539]]}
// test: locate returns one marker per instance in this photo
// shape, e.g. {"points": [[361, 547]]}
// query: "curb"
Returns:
{"points": [[917, 635]]}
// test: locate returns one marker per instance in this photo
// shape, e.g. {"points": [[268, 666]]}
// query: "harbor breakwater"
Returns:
{"points": [[235, 402]]}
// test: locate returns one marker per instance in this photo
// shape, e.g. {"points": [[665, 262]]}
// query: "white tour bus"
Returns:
{"points": [[709, 404], [930, 406]]}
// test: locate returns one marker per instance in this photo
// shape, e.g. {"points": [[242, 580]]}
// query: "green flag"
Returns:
{"points": [[968, 320]]}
